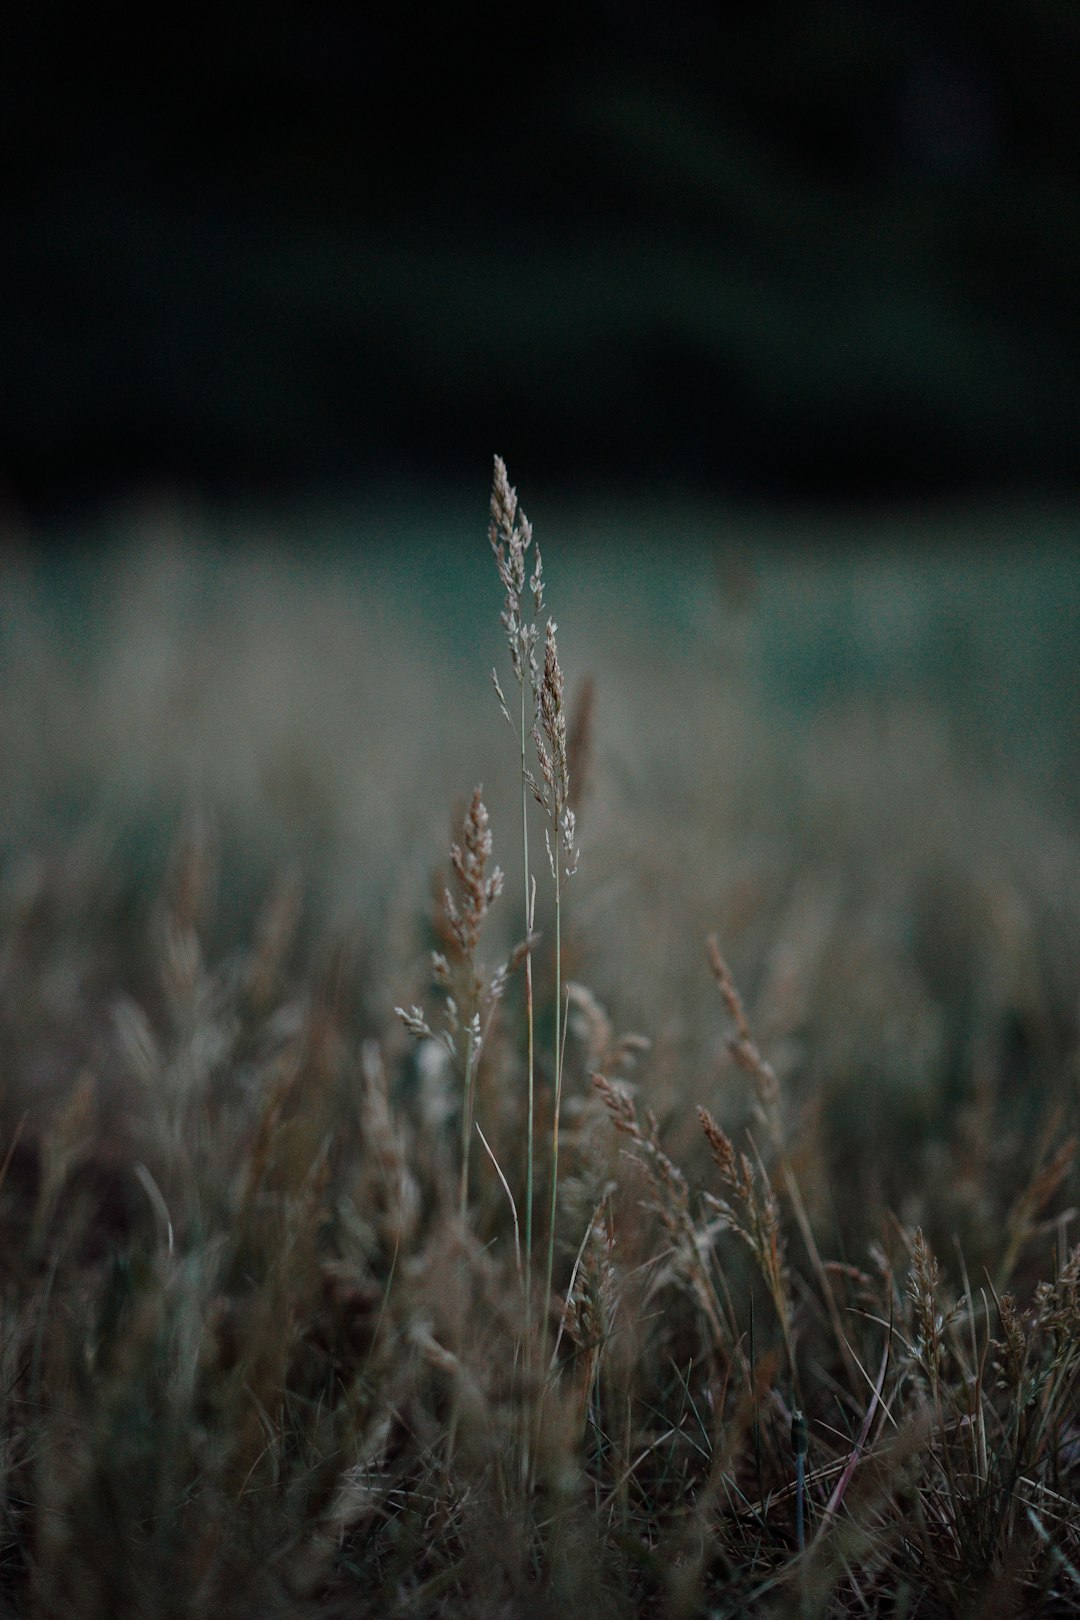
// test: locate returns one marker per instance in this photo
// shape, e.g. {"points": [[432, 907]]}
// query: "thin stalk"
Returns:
{"points": [[466, 1125], [558, 1080], [529, 910]]}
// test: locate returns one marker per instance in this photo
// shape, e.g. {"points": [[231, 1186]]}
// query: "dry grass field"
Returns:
{"points": [[701, 1240]]}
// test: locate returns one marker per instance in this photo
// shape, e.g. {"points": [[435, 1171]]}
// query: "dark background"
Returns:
{"points": [[799, 253]]}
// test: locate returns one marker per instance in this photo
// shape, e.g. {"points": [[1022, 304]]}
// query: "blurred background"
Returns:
{"points": [[778, 254], [774, 313]]}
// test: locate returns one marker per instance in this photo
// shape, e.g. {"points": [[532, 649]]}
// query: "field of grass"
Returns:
{"points": [[701, 1242]]}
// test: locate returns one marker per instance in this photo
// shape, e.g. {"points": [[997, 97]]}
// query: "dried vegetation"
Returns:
{"points": [[491, 1309]]}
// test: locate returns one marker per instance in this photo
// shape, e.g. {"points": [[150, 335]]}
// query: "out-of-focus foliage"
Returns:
{"points": [[828, 251], [257, 1363]]}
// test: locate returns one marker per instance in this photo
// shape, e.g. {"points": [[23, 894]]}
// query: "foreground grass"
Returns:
{"points": [[307, 1312]]}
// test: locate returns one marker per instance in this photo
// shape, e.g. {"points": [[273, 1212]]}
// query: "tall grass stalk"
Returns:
{"points": [[552, 792], [557, 1104], [471, 992], [530, 917], [510, 534]]}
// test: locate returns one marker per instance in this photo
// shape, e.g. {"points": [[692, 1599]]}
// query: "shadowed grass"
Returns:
{"points": [[800, 1333]]}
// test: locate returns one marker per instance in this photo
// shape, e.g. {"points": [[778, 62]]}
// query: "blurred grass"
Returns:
{"points": [[234, 751], [972, 613], [774, 700]]}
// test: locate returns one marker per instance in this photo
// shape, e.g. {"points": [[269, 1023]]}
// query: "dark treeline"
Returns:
{"points": [[801, 252]]}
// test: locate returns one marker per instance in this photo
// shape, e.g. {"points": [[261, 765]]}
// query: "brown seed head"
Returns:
{"points": [[479, 890]]}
